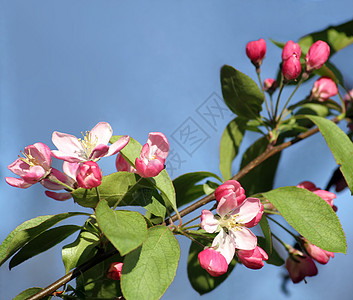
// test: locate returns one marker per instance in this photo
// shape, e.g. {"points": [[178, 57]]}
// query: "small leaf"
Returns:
{"points": [[126, 230], [28, 231], [30, 292], [241, 93], [228, 149], [265, 227], [311, 216], [340, 145], [209, 187], [150, 269], [186, 188]]}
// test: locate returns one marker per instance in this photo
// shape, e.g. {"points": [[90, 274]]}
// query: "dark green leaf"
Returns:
{"points": [[241, 93], [150, 269], [30, 292], [311, 216], [265, 227], [209, 187], [126, 230], [229, 146], [151, 201]]}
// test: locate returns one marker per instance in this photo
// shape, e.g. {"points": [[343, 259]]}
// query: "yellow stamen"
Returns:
{"points": [[29, 159], [88, 144]]}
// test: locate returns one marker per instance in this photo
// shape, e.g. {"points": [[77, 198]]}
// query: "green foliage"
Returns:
{"points": [[30, 292], [340, 145], [230, 142], [186, 188], [273, 258], [126, 230], [311, 216], [241, 93], [265, 227], [29, 230]]}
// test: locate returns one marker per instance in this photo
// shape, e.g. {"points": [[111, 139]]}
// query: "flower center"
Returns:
{"points": [[29, 159], [88, 144], [234, 222]]}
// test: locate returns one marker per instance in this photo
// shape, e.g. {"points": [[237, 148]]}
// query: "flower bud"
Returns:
{"points": [[213, 262], [230, 187], [122, 165], [291, 49], [323, 89], [317, 56], [256, 51], [89, 175], [253, 259], [291, 68], [299, 266], [114, 271], [270, 85], [320, 255]]}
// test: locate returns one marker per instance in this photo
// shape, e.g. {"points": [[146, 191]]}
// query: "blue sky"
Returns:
{"points": [[151, 66]]}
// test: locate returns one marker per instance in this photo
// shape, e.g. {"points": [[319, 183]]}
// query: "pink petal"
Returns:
{"points": [[101, 133], [247, 211], [72, 158], [58, 196], [152, 169], [213, 262], [99, 151], [70, 169], [67, 144], [226, 204], [224, 244], [19, 167], [34, 175], [42, 153], [208, 222], [243, 238], [118, 145], [159, 139], [17, 182]]}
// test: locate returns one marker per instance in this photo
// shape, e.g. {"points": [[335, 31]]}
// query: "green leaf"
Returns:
{"points": [[228, 149], [331, 71], [150, 269], [126, 230], [241, 93], [311, 216], [209, 187], [43, 242], [261, 178], [30, 292], [200, 280], [265, 227], [151, 201], [27, 231], [274, 258], [186, 188], [162, 181], [340, 145]]}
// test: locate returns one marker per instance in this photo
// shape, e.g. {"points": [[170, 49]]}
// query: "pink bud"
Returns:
{"points": [[253, 259], [230, 187], [270, 85], [299, 266], [291, 68], [122, 165], [89, 175], [114, 271], [291, 49], [349, 96], [213, 262], [323, 89], [256, 51], [320, 255], [317, 55]]}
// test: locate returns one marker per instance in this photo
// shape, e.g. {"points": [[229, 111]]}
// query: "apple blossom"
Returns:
{"points": [[323, 89], [122, 165], [230, 223], [89, 175], [213, 262], [153, 155], [291, 49], [270, 85], [299, 266], [32, 168], [291, 68], [320, 255], [252, 259], [92, 147], [230, 187], [256, 51], [326, 195], [114, 271], [317, 56]]}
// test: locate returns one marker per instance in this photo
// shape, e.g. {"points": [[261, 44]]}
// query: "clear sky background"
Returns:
{"points": [[148, 66]]}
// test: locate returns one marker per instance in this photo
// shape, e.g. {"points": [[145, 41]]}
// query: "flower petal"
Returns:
{"points": [[226, 204], [17, 182], [99, 151], [247, 211], [224, 244], [243, 238], [208, 222], [69, 157], [70, 169], [19, 167], [58, 196], [101, 133], [67, 143], [42, 153], [159, 139], [34, 174], [118, 145]]}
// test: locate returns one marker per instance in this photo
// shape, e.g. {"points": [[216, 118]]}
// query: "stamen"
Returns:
{"points": [[29, 159], [88, 144]]}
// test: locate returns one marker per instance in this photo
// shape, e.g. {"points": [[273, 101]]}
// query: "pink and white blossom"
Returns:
{"points": [[253, 259], [213, 262], [230, 187], [317, 55], [153, 155], [32, 168], [92, 147], [323, 89], [231, 224]]}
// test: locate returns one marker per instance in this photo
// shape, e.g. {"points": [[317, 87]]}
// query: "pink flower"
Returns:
{"points": [[153, 155], [326, 195], [213, 262], [349, 96], [299, 266], [291, 49], [256, 51], [253, 259], [89, 175], [114, 271], [323, 89], [291, 68], [230, 187], [32, 168], [122, 165], [317, 56], [231, 225], [270, 85], [320, 255], [93, 146]]}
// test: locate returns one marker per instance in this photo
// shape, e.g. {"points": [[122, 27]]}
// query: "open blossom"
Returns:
{"points": [[230, 187], [323, 89], [256, 51], [93, 146], [153, 155], [122, 165], [32, 168], [231, 224], [320, 255], [317, 55], [326, 195], [299, 266], [253, 259], [114, 271], [89, 175], [213, 262]]}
